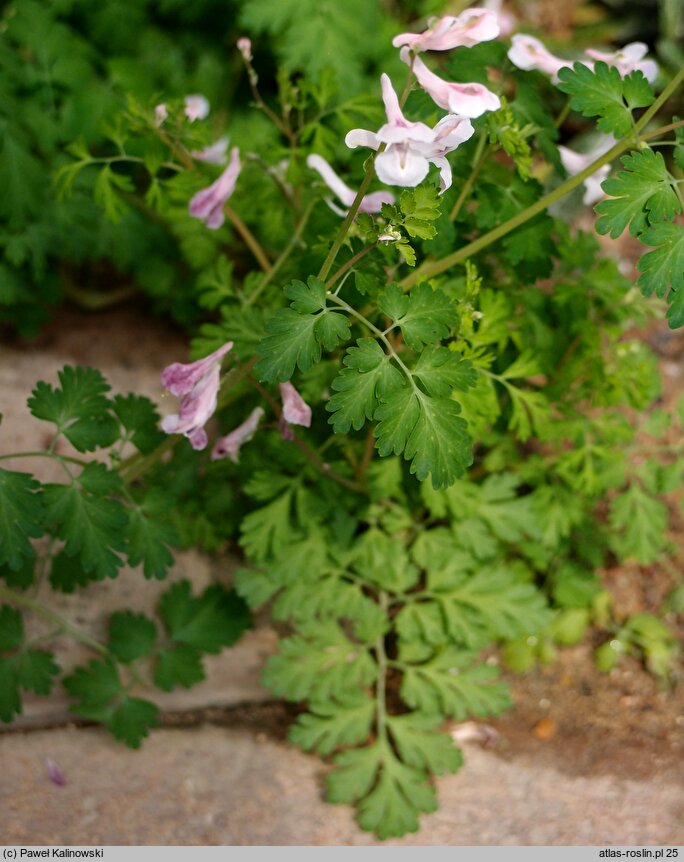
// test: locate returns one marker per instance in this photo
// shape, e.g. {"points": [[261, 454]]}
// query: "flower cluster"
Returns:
{"points": [[528, 53], [406, 149], [197, 385]]}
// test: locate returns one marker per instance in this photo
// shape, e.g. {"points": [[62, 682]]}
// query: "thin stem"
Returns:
{"points": [[377, 332], [349, 264], [432, 268], [285, 254], [311, 455], [45, 454], [250, 240], [62, 624], [349, 218], [481, 156], [562, 117]]}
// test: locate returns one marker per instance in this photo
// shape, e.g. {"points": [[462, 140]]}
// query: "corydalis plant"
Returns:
{"points": [[431, 395]]}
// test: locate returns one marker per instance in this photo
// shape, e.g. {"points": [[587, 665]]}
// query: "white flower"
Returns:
{"points": [[412, 147], [466, 100], [529, 53]]}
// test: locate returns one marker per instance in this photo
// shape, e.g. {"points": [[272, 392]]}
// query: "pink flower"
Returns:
{"points": [[229, 446], [244, 46], [197, 386], [529, 53], [295, 410], [208, 204], [467, 29], [574, 163], [196, 107], [467, 100], [369, 204], [412, 146], [214, 154], [628, 59], [507, 20]]}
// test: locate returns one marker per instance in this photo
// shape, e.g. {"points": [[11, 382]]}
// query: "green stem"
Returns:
{"points": [[433, 268], [377, 332], [481, 156], [44, 454], [63, 625], [287, 251], [349, 218], [349, 264]]}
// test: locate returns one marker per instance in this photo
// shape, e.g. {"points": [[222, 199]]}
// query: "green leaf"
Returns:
{"points": [[140, 421], [640, 195], [131, 636], [21, 518], [450, 684], [331, 724], [602, 92], [10, 696], [319, 663], [425, 315], [89, 525], [639, 525], [420, 745], [420, 207], [130, 722], [11, 629], [36, 670], [151, 534], [662, 270], [180, 665], [401, 793], [306, 298], [100, 695], [79, 408], [209, 622], [291, 342], [492, 604], [331, 328], [215, 285], [67, 573], [429, 432], [93, 685], [269, 529], [441, 370], [106, 193], [22, 578], [369, 374]]}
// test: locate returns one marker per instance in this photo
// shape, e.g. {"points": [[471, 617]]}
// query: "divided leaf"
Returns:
{"points": [[424, 315], [79, 408], [641, 195], [21, 518], [603, 93], [662, 270]]}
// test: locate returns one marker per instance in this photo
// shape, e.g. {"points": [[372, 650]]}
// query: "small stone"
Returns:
{"points": [[545, 729]]}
